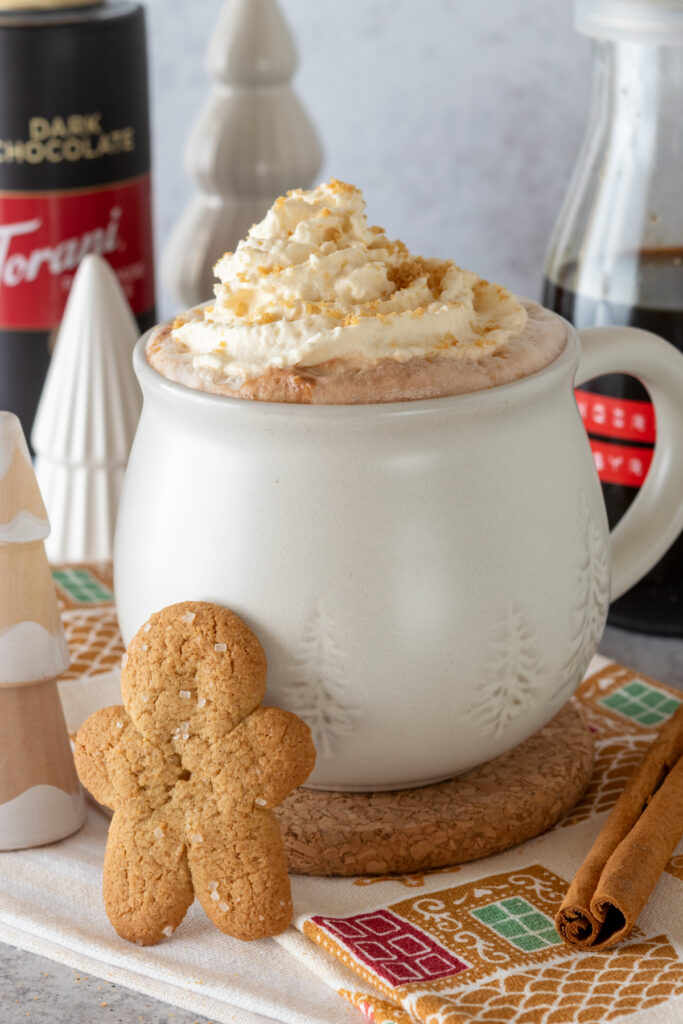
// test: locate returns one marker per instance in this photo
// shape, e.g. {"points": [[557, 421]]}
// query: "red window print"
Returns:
{"points": [[395, 950]]}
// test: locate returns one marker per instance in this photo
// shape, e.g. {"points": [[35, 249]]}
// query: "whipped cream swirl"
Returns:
{"points": [[314, 282]]}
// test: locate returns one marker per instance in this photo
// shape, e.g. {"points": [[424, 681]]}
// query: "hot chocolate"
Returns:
{"points": [[430, 578], [316, 306]]}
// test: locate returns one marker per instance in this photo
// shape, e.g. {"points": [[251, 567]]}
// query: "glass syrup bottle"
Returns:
{"points": [[616, 254]]}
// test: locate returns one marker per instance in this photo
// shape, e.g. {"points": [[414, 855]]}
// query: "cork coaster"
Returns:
{"points": [[486, 810]]}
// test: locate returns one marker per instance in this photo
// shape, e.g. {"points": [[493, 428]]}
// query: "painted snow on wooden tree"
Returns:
{"points": [[590, 612], [32, 643], [316, 685], [40, 797], [22, 513], [516, 672]]}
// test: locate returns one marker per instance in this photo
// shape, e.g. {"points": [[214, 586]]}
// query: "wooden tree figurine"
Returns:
{"points": [[252, 141], [40, 797]]}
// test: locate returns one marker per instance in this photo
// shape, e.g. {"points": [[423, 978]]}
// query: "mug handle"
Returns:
{"points": [[655, 518]]}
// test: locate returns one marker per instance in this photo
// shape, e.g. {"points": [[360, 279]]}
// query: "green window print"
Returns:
{"points": [[520, 923], [81, 586], [641, 703]]}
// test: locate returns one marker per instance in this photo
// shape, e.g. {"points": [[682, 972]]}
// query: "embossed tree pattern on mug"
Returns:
{"points": [[316, 688], [516, 671], [590, 611]]}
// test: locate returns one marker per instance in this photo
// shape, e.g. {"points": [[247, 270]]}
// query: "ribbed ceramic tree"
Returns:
{"points": [[252, 141], [87, 416], [40, 798]]}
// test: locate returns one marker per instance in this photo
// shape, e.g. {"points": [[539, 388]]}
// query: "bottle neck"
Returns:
{"points": [[620, 232], [638, 94]]}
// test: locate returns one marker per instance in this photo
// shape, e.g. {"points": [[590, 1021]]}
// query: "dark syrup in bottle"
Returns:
{"points": [[620, 421]]}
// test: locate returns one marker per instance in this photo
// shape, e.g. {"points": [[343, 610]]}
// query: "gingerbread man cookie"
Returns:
{"points": [[192, 766]]}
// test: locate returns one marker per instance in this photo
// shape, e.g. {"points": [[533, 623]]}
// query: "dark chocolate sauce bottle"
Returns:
{"points": [[74, 172], [616, 257]]}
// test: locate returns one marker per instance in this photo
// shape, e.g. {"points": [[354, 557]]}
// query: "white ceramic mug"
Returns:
{"points": [[429, 579]]}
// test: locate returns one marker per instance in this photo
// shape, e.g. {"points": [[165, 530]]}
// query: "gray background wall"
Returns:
{"points": [[460, 119]]}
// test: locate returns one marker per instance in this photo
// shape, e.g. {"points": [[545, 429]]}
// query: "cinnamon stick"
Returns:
{"points": [[632, 849]]}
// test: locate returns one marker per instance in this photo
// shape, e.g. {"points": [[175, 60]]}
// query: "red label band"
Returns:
{"points": [[624, 418], [44, 236], [620, 463]]}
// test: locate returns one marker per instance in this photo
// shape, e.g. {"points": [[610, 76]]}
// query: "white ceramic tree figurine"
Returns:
{"points": [[87, 416], [252, 141], [40, 797]]}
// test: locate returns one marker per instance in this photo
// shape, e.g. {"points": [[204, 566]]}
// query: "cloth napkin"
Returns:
{"points": [[476, 944], [51, 904], [473, 944]]}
